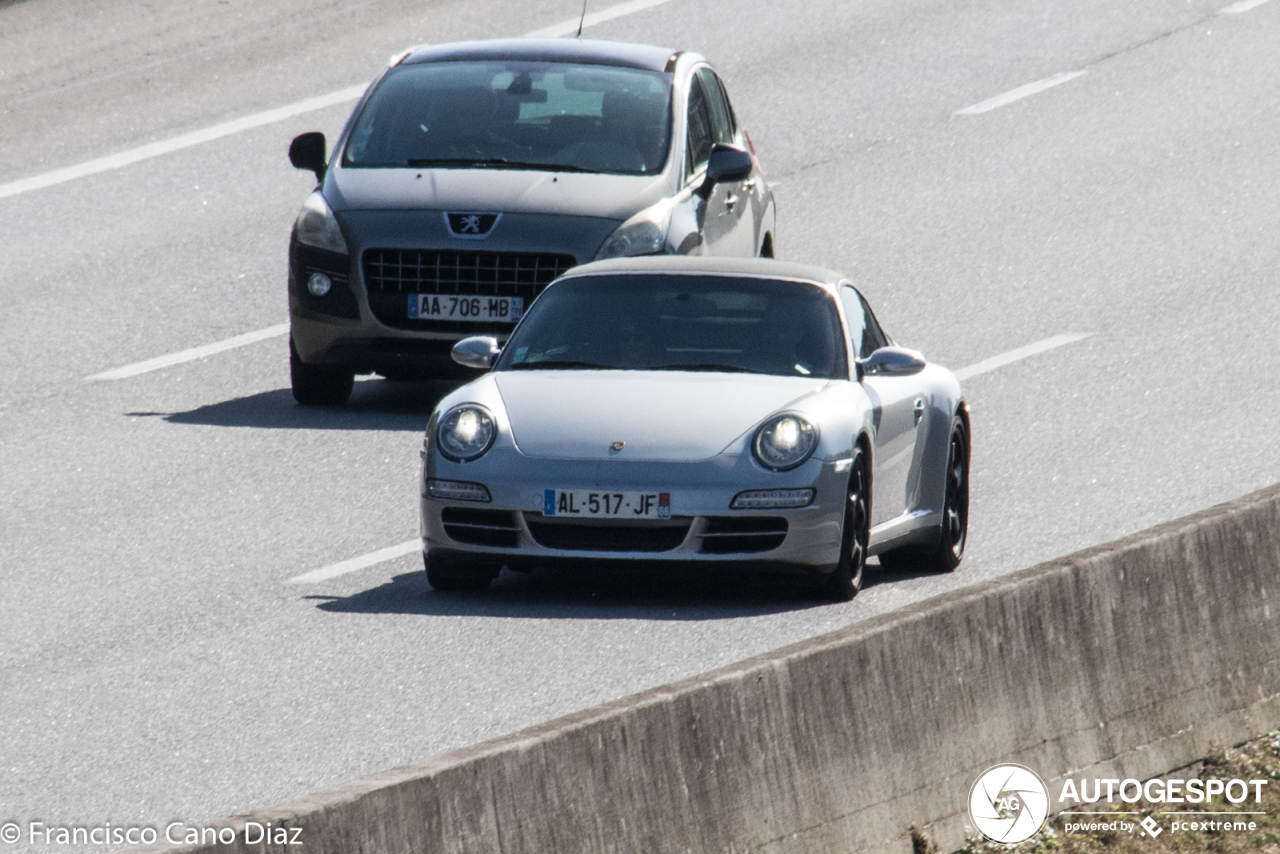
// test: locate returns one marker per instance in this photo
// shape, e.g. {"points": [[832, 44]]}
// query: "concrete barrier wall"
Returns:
{"points": [[1125, 660]]}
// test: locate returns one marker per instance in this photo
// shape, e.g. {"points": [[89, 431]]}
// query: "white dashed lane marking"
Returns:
{"points": [[355, 564], [189, 355], [1242, 7], [391, 553], [987, 365], [1020, 93], [570, 26], [177, 143]]}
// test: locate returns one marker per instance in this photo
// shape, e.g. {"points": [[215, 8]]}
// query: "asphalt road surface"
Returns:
{"points": [[155, 662]]}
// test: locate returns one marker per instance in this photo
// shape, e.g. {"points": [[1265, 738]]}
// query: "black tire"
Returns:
{"points": [[946, 555], [319, 385], [455, 578], [843, 584]]}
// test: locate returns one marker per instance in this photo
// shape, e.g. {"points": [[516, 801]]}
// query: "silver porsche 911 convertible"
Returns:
{"points": [[745, 413]]}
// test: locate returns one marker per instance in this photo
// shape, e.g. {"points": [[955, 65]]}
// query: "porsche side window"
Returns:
{"points": [[698, 145], [857, 322], [875, 336], [722, 126]]}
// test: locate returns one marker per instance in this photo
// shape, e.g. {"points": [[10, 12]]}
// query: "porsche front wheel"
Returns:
{"points": [[843, 584]]}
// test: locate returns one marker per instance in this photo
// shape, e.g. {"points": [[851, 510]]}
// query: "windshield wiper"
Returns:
{"points": [[559, 364], [495, 163], [705, 366]]}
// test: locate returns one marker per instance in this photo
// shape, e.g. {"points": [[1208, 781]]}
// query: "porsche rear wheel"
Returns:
{"points": [[954, 531], [843, 584], [456, 578]]}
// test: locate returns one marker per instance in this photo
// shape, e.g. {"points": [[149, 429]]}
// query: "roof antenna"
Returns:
{"points": [[582, 20]]}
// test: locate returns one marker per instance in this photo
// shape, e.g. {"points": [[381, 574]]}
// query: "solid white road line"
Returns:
{"points": [[1242, 7], [570, 26], [189, 355], [1019, 354], [366, 561], [279, 114], [333, 570], [1020, 93]]}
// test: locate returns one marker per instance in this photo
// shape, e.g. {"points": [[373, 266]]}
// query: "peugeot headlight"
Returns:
{"points": [[784, 442], [643, 234], [316, 225], [465, 432]]}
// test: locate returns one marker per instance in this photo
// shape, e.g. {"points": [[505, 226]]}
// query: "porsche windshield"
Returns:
{"points": [[516, 115], [680, 323]]}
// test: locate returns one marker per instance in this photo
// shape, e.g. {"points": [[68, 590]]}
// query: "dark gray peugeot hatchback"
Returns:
{"points": [[470, 175]]}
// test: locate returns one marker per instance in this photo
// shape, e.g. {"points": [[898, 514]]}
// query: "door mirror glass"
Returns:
{"points": [[307, 152], [478, 351], [893, 362], [728, 164]]}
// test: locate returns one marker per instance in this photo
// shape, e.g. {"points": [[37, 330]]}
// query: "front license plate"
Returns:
{"points": [[478, 309], [611, 505]]}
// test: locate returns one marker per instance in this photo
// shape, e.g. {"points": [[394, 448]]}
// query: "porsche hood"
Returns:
{"points": [[657, 415]]}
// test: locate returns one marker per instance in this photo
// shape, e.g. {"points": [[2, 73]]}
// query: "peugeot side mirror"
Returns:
{"points": [[478, 351], [728, 164], [893, 362], [307, 152]]}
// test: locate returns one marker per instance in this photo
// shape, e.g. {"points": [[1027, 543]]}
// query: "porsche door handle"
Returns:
{"points": [[919, 410]]}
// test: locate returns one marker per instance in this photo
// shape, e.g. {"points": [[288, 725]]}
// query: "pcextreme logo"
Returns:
{"points": [[1008, 803]]}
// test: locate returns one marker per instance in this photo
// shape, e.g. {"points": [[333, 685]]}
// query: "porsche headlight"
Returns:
{"points": [[316, 225], [465, 432], [640, 235], [784, 442]]}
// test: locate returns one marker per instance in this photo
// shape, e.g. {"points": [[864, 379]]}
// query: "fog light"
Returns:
{"points": [[319, 284], [457, 490], [761, 499]]}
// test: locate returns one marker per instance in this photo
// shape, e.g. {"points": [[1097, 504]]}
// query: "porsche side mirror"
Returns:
{"points": [[307, 152], [728, 164], [478, 351], [893, 362]]}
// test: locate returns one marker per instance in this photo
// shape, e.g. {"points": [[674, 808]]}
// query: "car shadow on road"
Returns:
{"points": [[581, 594], [374, 405]]}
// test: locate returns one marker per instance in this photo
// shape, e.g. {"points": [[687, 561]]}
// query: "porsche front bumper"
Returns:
{"points": [[703, 529]]}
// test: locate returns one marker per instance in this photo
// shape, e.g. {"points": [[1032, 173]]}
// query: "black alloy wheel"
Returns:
{"points": [[955, 510], [953, 533], [843, 584]]}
